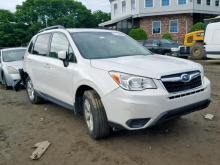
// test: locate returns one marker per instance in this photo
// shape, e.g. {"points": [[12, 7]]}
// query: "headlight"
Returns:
{"points": [[131, 82], [174, 49], [11, 70], [202, 70]]}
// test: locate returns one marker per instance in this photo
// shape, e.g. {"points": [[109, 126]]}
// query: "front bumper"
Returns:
{"points": [[177, 54], [11, 78], [153, 105]]}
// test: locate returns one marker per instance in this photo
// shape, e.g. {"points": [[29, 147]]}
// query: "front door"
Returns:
{"points": [[59, 80]]}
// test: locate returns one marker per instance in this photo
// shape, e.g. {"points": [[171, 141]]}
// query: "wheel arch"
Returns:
{"points": [[78, 95]]}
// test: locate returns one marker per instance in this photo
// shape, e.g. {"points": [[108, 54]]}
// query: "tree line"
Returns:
{"points": [[16, 29]]}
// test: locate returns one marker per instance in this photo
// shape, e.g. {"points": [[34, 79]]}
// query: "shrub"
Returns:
{"points": [[197, 27], [138, 34], [167, 36]]}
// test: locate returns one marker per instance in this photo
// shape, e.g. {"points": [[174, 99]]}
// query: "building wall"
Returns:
{"points": [[185, 22], [158, 9]]}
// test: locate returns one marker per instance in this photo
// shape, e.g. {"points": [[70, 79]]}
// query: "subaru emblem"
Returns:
{"points": [[185, 78]]}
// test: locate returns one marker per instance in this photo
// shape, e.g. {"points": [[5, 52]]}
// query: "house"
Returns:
{"points": [[157, 17]]}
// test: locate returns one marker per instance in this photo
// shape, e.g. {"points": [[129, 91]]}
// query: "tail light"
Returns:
{"points": [[23, 58], [204, 48]]}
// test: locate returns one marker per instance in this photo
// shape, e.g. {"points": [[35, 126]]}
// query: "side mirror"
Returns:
{"points": [[62, 55]]}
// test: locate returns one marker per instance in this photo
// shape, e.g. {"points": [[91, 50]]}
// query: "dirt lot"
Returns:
{"points": [[188, 140]]}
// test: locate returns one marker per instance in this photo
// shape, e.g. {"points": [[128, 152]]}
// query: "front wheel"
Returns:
{"points": [[33, 97], [95, 116]]}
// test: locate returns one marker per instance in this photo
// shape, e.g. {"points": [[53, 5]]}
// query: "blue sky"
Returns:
{"points": [[103, 5]]}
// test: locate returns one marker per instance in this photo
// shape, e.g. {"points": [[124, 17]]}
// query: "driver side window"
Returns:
{"points": [[156, 43], [59, 43]]}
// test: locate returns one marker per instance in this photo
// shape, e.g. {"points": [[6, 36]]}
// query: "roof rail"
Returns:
{"points": [[52, 27]]}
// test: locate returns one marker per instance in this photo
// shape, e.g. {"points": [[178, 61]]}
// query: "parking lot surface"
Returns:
{"points": [[190, 140]]}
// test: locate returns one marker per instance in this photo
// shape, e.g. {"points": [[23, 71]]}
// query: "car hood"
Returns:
{"points": [[153, 66], [16, 64]]}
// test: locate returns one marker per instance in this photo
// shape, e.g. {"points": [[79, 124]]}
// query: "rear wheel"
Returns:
{"points": [[95, 116], [4, 82], [197, 51], [33, 97]]}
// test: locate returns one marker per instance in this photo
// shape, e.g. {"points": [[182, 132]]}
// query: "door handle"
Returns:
{"points": [[29, 60], [47, 65]]}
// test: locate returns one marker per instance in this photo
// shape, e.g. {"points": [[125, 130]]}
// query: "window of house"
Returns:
{"points": [[133, 4], [181, 2], [216, 2], [199, 2], [156, 27], [165, 2], [115, 8], [174, 26], [149, 3], [41, 45], [123, 6], [208, 2]]}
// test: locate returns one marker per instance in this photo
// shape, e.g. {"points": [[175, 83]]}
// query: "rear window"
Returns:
{"points": [[41, 45]]}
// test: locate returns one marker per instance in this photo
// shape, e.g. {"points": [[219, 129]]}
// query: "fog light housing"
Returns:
{"points": [[137, 123]]}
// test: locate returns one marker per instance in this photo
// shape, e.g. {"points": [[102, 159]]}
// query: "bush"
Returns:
{"points": [[197, 27], [138, 34], [167, 36]]}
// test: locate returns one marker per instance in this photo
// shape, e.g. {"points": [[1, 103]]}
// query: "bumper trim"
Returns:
{"points": [[178, 112]]}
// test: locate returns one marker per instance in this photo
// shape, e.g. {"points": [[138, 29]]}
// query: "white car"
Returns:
{"points": [[212, 40], [10, 62], [111, 79]]}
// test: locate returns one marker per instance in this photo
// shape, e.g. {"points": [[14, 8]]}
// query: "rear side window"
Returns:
{"points": [[41, 45]]}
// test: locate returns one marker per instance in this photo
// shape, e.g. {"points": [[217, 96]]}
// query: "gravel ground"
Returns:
{"points": [[189, 140]]}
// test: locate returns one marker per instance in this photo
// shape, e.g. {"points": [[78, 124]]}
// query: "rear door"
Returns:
{"points": [[35, 61], [59, 79]]}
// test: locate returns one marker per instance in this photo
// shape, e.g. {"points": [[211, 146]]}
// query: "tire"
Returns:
{"points": [[94, 115], [32, 96], [4, 82], [167, 54], [197, 51]]}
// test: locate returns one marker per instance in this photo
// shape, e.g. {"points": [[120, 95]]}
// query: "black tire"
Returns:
{"points": [[197, 52], [4, 82], [32, 96], [100, 127], [167, 54]]}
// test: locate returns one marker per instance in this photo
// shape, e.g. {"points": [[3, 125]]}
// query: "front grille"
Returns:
{"points": [[173, 83], [182, 86], [184, 50]]}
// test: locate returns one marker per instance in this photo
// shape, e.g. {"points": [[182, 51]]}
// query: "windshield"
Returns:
{"points": [[13, 55], [98, 45], [168, 41]]}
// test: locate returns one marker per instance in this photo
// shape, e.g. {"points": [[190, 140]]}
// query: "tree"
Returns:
{"points": [[167, 36], [138, 34], [11, 32], [198, 26], [100, 17]]}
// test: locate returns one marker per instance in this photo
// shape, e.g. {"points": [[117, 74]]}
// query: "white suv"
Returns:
{"points": [[111, 79]]}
